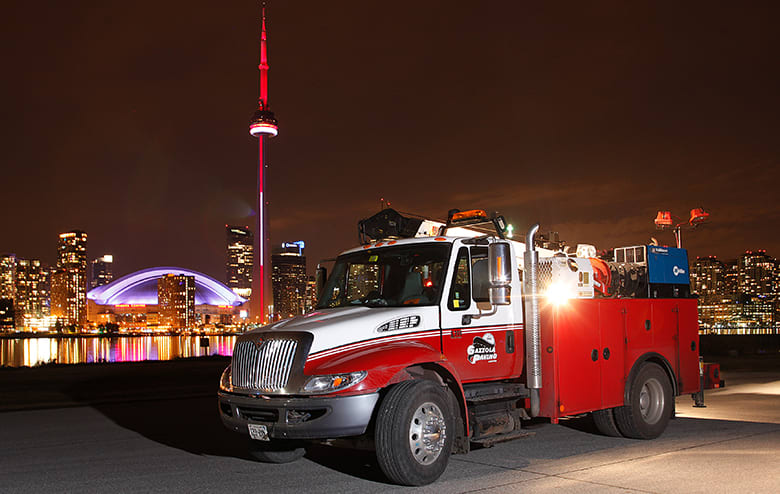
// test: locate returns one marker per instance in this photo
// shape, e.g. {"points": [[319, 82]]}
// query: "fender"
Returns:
{"points": [[382, 360], [655, 358]]}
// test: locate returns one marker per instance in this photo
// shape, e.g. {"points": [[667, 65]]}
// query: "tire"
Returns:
{"points": [[414, 432], [276, 450], [650, 404], [605, 422]]}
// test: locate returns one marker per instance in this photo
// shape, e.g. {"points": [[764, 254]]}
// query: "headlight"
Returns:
{"points": [[332, 382], [224, 381]]}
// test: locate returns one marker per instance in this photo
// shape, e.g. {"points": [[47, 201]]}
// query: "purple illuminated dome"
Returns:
{"points": [[141, 288]]}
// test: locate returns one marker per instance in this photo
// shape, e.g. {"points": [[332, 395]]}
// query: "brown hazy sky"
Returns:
{"points": [[129, 120]]}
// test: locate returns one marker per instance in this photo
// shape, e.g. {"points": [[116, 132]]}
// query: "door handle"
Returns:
{"points": [[510, 341], [594, 355], [606, 353]]}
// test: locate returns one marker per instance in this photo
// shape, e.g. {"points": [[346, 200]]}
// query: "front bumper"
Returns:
{"points": [[297, 417]]}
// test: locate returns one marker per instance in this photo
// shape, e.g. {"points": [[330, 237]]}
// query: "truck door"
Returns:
{"points": [[480, 346], [612, 352]]}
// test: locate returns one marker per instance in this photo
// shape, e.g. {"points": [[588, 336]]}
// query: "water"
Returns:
{"points": [[18, 352]]}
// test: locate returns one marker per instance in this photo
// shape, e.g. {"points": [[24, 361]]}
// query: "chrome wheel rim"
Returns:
{"points": [[427, 433], [651, 401]]}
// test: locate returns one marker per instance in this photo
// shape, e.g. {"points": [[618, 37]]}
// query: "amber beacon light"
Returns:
{"points": [[664, 221]]}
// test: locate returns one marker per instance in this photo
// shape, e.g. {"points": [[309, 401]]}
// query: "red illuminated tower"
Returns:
{"points": [[263, 125]]}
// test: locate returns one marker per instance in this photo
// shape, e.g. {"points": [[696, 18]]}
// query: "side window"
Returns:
{"points": [[460, 293], [480, 274]]}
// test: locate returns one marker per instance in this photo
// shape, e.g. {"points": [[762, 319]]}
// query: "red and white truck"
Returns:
{"points": [[430, 338]]}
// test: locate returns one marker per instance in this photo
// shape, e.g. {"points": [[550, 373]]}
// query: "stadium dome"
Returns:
{"points": [[141, 288]]}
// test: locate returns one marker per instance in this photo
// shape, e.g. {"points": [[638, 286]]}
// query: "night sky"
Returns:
{"points": [[129, 120]]}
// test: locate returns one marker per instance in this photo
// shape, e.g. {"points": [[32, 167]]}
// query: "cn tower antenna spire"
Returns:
{"points": [[262, 126], [263, 99]]}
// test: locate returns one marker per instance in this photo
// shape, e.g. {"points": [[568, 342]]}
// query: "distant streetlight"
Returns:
{"points": [[664, 221]]}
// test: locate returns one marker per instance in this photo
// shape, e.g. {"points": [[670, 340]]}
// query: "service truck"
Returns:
{"points": [[430, 339]]}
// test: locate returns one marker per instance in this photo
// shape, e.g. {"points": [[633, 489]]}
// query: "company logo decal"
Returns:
{"points": [[483, 348], [678, 270]]}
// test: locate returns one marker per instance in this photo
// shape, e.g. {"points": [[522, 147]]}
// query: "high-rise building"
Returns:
{"points": [[708, 279], [102, 271], [72, 260], [58, 283], [176, 300], [757, 274], [6, 315], [240, 247], [32, 290], [7, 276], [7, 291], [731, 280], [288, 279], [311, 294]]}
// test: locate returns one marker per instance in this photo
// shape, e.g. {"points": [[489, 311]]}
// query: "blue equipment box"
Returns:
{"points": [[667, 265]]}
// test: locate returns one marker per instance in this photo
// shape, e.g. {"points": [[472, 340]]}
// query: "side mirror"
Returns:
{"points": [[500, 258], [320, 278]]}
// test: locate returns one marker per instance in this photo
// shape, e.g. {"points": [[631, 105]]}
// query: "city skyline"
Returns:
{"points": [[237, 251], [737, 296], [590, 138]]}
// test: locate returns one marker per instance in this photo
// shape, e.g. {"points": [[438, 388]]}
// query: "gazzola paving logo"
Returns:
{"points": [[483, 348]]}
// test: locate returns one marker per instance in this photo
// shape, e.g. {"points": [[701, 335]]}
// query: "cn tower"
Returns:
{"points": [[263, 125]]}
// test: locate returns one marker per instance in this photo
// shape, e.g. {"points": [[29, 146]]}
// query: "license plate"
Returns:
{"points": [[258, 432]]}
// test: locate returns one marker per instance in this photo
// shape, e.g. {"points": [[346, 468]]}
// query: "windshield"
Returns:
{"points": [[387, 277]]}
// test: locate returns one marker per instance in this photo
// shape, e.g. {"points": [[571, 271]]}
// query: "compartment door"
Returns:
{"points": [[578, 343], [613, 344]]}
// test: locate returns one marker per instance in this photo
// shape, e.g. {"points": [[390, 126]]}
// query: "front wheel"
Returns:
{"points": [[414, 432], [276, 450], [649, 408]]}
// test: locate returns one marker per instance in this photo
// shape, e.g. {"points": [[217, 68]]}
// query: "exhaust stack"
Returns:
{"points": [[533, 337]]}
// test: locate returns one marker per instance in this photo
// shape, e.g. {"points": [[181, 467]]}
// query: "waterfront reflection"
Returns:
{"points": [[29, 352]]}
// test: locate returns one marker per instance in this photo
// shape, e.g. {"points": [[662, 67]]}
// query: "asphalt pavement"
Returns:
{"points": [[177, 444]]}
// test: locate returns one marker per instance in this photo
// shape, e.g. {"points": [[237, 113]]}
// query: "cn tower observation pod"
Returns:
{"points": [[141, 288], [263, 123]]}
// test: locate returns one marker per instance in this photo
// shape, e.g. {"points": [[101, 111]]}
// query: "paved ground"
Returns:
{"points": [[179, 445]]}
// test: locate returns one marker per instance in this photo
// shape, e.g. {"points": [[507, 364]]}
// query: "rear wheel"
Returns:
{"points": [[650, 404], [414, 432], [605, 422], [276, 450]]}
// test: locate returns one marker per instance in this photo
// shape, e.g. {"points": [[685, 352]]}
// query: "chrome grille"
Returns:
{"points": [[264, 366]]}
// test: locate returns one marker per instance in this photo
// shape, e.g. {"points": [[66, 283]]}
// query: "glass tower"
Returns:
{"points": [[72, 282], [240, 258]]}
